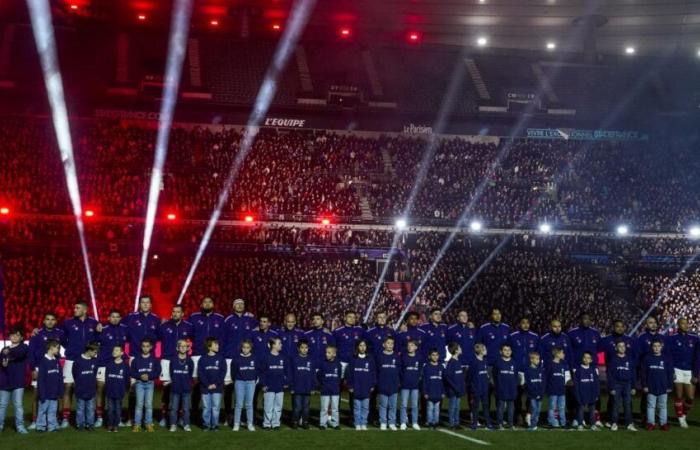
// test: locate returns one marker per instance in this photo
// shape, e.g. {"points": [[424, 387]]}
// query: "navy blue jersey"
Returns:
{"points": [[13, 376], [274, 373], [145, 365], [245, 367], [375, 337], [116, 379], [141, 326], [85, 376], [683, 347], [620, 370], [345, 340], [301, 374], [261, 341], [237, 328], [432, 381], [607, 346], [211, 371], [435, 337], [411, 367], [550, 341], [290, 340], [493, 336], [465, 337], [584, 339], [170, 332], [656, 374], [77, 334], [181, 374], [319, 339], [534, 382], [361, 376], [505, 379], [205, 326], [644, 342], [49, 384], [555, 374], [478, 377], [388, 373], [414, 334], [37, 344], [329, 377], [586, 384], [455, 379], [522, 343], [110, 336]]}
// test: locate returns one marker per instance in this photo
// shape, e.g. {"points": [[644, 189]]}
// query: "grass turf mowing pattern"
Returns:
{"points": [[348, 438]]}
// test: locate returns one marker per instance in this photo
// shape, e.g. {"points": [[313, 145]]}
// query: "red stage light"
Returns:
{"points": [[276, 26], [345, 32], [248, 218], [74, 7], [141, 17], [413, 36], [89, 213], [325, 221], [214, 23], [171, 216], [5, 211]]}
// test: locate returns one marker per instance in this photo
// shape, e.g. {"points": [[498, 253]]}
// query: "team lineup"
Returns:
{"points": [[400, 378]]}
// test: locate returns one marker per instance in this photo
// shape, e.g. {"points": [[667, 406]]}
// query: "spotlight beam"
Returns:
{"points": [[448, 101], [609, 118], [179, 29], [299, 16], [40, 15], [664, 292]]}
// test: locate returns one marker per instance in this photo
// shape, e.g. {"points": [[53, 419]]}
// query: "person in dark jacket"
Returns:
{"points": [[657, 382], [85, 376], [621, 377], [211, 372], [116, 386], [534, 382], [479, 383], [145, 368], [455, 384], [586, 389], [433, 387], [361, 378], [181, 374], [329, 377], [13, 366], [411, 368], [302, 381], [49, 387]]}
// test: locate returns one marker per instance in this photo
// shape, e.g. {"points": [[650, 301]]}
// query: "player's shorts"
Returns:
{"points": [[68, 372], [165, 371], [682, 376], [227, 378], [101, 374], [195, 361]]}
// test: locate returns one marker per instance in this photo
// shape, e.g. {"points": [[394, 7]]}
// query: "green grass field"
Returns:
{"points": [[348, 438]]}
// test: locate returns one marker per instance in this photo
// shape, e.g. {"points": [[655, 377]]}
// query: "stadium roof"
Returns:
{"points": [[654, 26]]}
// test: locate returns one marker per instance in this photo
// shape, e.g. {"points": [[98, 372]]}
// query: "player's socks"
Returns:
{"points": [[678, 406], [99, 411], [66, 413]]}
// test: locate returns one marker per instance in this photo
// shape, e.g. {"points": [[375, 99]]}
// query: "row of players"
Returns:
{"points": [[75, 333], [388, 373]]}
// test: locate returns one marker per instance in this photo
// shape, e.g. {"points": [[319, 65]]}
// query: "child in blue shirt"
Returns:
{"points": [[621, 377], [505, 376], [116, 386], [388, 380], [13, 366], [433, 387], [85, 376], [329, 375], [586, 389], [302, 381], [534, 381], [49, 387], [657, 383], [181, 375], [455, 384], [274, 382], [411, 367], [479, 383], [244, 371], [556, 376], [211, 371], [360, 377], [145, 368]]}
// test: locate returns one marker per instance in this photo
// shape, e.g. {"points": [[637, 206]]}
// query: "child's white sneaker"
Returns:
{"points": [[631, 427], [613, 427], [403, 427], [173, 428], [382, 427], [416, 427], [236, 426], [358, 427], [251, 427], [683, 422]]}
